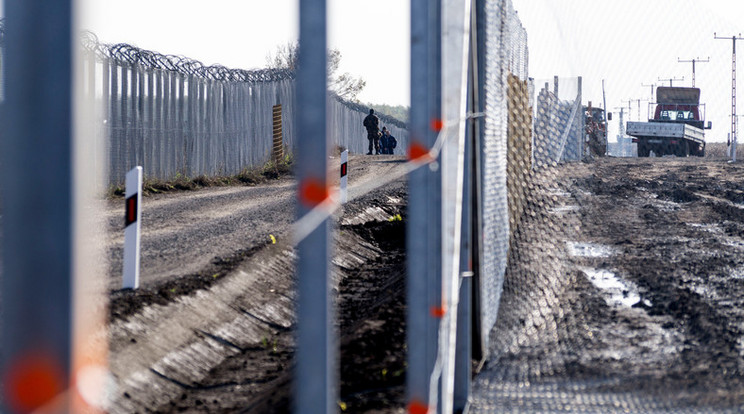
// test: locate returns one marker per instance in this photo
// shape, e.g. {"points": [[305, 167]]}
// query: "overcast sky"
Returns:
{"points": [[372, 35], [628, 43], [633, 42]]}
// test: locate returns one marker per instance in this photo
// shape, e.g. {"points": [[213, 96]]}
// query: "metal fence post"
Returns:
{"points": [[37, 203], [455, 39], [424, 296], [315, 374]]}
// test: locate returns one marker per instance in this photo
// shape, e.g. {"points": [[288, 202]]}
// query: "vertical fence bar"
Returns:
{"points": [[315, 345], [455, 39], [424, 219], [37, 203]]}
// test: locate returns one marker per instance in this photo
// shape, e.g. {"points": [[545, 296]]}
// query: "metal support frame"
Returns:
{"points": [[37, 199], [316, 350]]}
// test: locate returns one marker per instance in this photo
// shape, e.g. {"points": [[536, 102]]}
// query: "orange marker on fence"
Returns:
{"points": [[313, 192], [32, 381], [418, 152], [417, 407], [436, 124]]}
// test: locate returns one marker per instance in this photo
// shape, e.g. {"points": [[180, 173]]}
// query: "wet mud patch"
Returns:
{"points": [[657, 324]]}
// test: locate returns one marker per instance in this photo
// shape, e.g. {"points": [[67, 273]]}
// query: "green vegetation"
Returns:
{"points": [[398, 112], [249, 176]]}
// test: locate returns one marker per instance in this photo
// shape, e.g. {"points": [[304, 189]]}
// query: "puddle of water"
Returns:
{"points": [[559, 193], [617, 292], [712, 228], [739, 244], [589, 249], [564, 209], [738, 273], [665, 205]]}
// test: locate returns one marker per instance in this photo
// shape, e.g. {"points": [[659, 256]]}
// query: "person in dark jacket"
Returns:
{"points": [[387, 141], [372, 123]]}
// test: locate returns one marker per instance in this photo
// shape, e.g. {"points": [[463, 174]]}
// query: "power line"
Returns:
{"points": [[733, 89], [693, 66]]}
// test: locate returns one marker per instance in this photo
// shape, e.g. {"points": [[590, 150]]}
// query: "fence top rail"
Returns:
{"points": [[129, 55]]}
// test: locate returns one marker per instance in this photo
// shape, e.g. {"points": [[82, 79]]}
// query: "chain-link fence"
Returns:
{"points": [[503, 52], [176, 117], [558, 121], [598, 292]]}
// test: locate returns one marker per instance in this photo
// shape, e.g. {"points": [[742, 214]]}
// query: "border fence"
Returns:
{"points": [[177, 117], [173, 115]]}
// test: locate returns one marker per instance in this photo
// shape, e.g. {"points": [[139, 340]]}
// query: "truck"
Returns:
{"points": [[595, 126], [677, 127]]}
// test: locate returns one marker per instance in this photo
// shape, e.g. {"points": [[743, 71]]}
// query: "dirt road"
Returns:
{"points": [[221, 339], [624, 292], [185, 233]]}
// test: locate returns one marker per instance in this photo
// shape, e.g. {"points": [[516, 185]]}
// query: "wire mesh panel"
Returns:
{"points": [[504, 51], [622, 281], [558, 121]]}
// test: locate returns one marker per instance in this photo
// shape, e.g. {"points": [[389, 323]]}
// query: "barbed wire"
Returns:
{"points": [[130, 55]]}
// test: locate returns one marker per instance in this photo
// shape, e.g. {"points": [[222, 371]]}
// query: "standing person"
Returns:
{"points": [[392, 143], [372, 123], [385, 141]]}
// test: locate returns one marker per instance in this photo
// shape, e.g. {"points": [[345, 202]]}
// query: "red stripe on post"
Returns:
{"points": [[343, 169], [130, 216]]}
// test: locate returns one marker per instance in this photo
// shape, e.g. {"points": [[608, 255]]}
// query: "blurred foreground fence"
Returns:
{"points": [[174, 116]]}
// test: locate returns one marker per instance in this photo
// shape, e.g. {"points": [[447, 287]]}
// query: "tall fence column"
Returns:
{"points": [[315, 376], [37, 207], [424, 285]]}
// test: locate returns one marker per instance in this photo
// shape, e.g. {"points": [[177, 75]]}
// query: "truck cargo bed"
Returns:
{"points": [[660, 130]]}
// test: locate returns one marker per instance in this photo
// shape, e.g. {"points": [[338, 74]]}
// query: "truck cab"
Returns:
{"points": [[680, 105], [677, 126]]}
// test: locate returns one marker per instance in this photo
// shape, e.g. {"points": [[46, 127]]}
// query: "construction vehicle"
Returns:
{"points": [[595, 126], [677, 127]]}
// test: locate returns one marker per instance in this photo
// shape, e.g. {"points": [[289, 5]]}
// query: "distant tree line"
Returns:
{"points": [[399, 112]]}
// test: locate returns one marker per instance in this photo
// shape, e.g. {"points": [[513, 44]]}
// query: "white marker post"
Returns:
{"points": [[132, 215], [344, 172]]}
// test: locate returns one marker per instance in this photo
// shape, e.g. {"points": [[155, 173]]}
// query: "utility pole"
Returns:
{"points": [[621, 130], [693, 66], [621, 141], [639, 107], [671, 80], [733, 90], [652, 86], [629, 102]]}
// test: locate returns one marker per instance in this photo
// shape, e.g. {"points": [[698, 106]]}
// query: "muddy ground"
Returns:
{"points": [[624, 293], [221, 340]]}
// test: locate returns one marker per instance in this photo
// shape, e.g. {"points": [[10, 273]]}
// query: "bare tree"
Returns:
{"points": [[344, 85]]}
